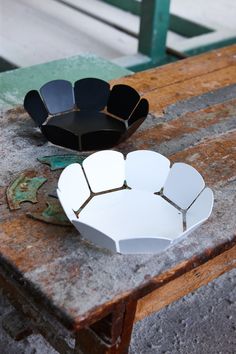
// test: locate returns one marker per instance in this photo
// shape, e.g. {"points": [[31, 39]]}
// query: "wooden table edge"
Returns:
{"points": [[160, 281]]}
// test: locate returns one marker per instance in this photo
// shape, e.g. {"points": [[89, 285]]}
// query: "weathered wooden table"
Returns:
{"points": [[64, 286]]}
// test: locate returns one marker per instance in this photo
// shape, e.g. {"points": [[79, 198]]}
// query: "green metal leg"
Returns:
{"points": [[153, 28], [153, 32], [154, 24]]}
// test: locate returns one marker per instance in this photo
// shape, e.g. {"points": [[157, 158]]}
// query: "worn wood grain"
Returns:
{"points": [[172, 134], [130, 311], [160, 99], [214, 158], [184, 79], [180, 71], [185, 284], [89, 340]]}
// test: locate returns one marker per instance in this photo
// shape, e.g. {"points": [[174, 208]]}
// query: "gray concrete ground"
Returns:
{"points": [[203, 322]]}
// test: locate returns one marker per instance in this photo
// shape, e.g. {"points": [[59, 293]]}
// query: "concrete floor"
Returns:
{"points": [[201, 323]]}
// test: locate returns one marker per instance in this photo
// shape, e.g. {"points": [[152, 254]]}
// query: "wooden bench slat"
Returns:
{"points": [[160, 99], [182, 70], [185, 284]]}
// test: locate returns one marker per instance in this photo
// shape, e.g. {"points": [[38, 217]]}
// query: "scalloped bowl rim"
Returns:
{"points": [[124, 209]]}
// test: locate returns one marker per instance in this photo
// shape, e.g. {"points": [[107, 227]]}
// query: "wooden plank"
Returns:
{"points": [[214, 158], [160, 99], [192, 137], [123, 347], [180, 71], [185, 284], [110, 327], [90, 342]]}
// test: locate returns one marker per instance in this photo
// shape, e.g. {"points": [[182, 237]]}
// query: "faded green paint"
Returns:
{"points": [[153, 28], [53, 214], [187, 28], [57, 162], [132, 6], [211, 44], [23, 189], [16, 83]]}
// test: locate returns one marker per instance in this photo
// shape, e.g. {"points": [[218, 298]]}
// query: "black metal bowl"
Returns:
{"points": [[88, 116]]}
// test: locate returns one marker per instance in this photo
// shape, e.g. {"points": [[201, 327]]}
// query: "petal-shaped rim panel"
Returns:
{"points": [[95, 236], [143, 245], [88, 128], [183, 184], [60, 136], [122, 101], [72, 184], [91, 94], [58, 96], [141, 111], [34, 105], [105, 170], [146, 170], [201, 209], [66, 204]]}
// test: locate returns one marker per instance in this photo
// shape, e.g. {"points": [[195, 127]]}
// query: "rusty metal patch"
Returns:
{"points": [[24, 189], [52, 214], [57, 162]]}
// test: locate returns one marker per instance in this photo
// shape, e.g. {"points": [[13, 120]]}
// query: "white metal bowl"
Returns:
{"points": [[137, 204]]}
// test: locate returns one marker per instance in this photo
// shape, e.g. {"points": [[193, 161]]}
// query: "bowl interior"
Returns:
{"points": [[127, 214]]}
